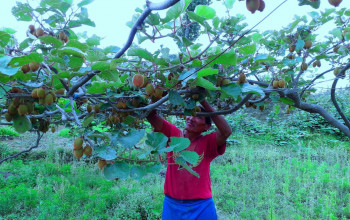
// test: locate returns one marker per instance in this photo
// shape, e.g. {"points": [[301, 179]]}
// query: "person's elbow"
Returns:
{"points": [[226, 133]]}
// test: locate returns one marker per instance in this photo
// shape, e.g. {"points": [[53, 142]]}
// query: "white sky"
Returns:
{"points": [[110, 17]]}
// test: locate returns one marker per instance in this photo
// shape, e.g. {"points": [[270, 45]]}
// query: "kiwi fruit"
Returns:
{"points": [[335, 49], [335, 3], [292, 48], [261, 6], [78, 153], [30, 107], [308, 44], [62, 36], [48, 99], [8, 117], [12, 110], [242, 78], [225, 82], [138, 80], [87, 150], [34, 66], [60, 91], [336, 71], [252, 5], [97, 108], [22, 109], [149, 89], [158, 92], [304, 66], [41, 93], [39, 32], [25, 68], [89, 108], [78, 143], [275, 84], [31, 28], [101, 164], [281, 83], [35, 93], [53, 129], [121, 105]]}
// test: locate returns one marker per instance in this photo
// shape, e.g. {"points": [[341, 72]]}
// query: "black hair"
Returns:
{"points": [[207, 118]]}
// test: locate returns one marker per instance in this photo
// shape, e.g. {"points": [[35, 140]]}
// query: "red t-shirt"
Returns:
{"points": [[181, 184]]}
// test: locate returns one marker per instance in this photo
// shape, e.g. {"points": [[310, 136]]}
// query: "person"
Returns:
{"points": [[186, 196]]}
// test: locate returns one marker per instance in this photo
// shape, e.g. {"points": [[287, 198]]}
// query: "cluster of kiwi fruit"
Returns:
{"points": [[221, 81], [32, 66], [140, 81], [278, 83], [18, 106], [39, 32], [46, 97], [255, 5], [79, 150]]}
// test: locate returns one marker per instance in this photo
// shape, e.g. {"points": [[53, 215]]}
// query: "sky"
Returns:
{"points": [[110, 17]]}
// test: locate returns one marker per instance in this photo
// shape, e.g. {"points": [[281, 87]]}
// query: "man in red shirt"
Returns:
{"points": [[186, 196]]}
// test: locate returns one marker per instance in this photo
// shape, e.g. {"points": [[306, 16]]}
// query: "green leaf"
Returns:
{"points": [[71, 51], [207, 72], [56, 43], [109, 75], [287, 101], [93, 41], [182, 162], [22, 124], [178, 144], [153, 19], [277, 109], [88, 120], [190, 156], [5, 68], [175, 98], [205, 11], [26, 43], [131, 139], [84, 2], [232, 90], [228, 58], [101, 66], [247, 88], [139, 52], [157, 140], [111, 49], [77, 44], [205, 84], [247, 49], [256, 37], [175, 11], [8, 30], [193, 16], [229, 3], [336, 32], [314, 4], [97, 87], [116, 170], [20, 61], [22, 11], [299, 45], [105, 152], [137, 171], [75, 63], [4, 38]]}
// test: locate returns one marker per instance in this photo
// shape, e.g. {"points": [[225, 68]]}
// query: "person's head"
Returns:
{"points": [[198, 124]]}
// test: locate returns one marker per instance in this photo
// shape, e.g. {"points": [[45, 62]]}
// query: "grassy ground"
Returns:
{"points": [[255, 179]]}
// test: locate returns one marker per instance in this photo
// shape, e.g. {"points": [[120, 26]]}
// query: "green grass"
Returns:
{"points": [[255, 179], [8, 132]]}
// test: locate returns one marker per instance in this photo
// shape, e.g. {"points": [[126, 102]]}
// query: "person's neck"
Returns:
{"points": [[191, 135]]}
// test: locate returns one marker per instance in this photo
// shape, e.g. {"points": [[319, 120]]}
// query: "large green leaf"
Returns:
{"points": [[5, 68], [190, 156], [84, 2], [246, 50], [22, 124], [228, 58], [71, 51], [314, 4], [205, 11], [247, 88], [176, 10], [178, 144], [130, 139], [287, 101], [53, 41], [77, 44], [100, 66], [116, 170], [175, 98], [105, 152], [157, 141], [4, 38], [93, 41], [205, 84], [232, 90], [140, 52], [182, 162], [207, 72], [98, 87], [20, 61]]}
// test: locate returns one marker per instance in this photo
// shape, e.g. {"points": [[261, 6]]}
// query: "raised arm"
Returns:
{"points": [[224, 129], [155, 120]]}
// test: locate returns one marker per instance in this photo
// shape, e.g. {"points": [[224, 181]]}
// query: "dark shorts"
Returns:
{"points": [[202, 209]]}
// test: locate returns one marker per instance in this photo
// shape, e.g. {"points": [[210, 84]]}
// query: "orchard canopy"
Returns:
{"points": [[57, 76]]}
